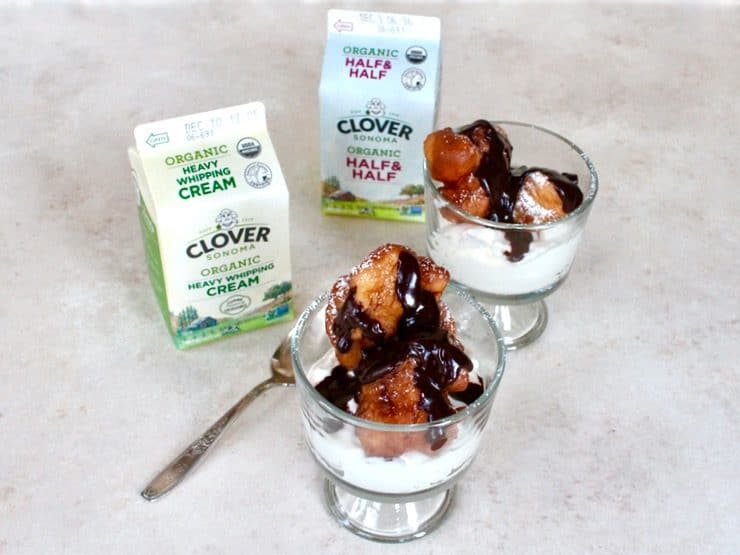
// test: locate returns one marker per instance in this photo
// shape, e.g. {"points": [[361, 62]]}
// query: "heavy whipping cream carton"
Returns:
{"points": [[213, 208], [378, 98]]}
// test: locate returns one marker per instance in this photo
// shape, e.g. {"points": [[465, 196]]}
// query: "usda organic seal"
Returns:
{"points": [[416, 54], [248, 147]]}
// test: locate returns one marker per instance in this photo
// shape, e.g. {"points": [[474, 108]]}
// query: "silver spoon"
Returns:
{"points": [[173, 473]]}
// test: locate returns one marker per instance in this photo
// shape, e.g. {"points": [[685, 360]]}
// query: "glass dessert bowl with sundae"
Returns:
{"points": [[396, 373], [506, 229]]}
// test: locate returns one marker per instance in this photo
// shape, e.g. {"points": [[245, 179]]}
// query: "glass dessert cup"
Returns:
{"points": [[404, 497], [511, 268]]}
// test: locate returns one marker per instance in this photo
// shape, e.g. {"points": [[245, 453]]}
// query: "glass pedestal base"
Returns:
{"points": [[520, 324], [391, 521]]}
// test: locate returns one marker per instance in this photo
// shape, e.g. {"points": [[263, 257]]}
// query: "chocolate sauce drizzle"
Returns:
{"points": [[352, 316], [519, 242], [419, 337], [493, 171], [470, 393], [502, 183], [566, 184]]}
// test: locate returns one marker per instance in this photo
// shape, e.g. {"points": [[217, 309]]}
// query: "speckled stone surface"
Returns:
{"points": [[617, 432]]}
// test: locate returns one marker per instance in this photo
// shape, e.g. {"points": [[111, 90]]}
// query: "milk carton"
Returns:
{"points": [[213, 208], [378, 97]]}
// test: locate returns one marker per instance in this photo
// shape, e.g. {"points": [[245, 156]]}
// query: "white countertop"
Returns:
{"points": [[617, 432]]}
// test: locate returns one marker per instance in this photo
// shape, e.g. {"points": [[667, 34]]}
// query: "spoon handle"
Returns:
{"points": [[174, 472]]}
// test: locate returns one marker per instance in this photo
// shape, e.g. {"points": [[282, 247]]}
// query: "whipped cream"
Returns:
{"points": [[341, 452], [475, 257]]}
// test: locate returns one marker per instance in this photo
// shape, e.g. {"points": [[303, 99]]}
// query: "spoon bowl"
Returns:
{"points": [[281, 364]]}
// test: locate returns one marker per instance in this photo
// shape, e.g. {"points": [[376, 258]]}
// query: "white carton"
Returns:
{"points": [[213, 207], [378, 96]]}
